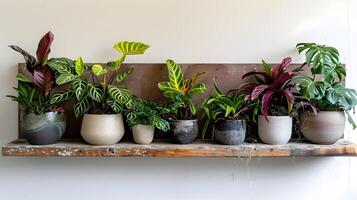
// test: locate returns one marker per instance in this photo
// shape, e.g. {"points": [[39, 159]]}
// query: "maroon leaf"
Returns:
{"points": [[258, 90], [277, 70], [266, 103], [248, 87], [289, 98], [43, 78], [30, 60], [44, 46], [282, 79]]}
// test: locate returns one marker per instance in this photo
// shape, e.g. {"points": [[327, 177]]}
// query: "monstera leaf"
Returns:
{"points": [[44, 79], [44, 46], [337, 93], [131, 48]]}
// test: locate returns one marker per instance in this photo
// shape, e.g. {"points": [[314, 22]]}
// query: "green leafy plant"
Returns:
{"points": [[181, 91], [149, 113], [324, 88], [103, 91], [35, 88], [232, 105]]}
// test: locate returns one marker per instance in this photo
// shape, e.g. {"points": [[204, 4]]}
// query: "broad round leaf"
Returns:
{"points": [[131, 48]]}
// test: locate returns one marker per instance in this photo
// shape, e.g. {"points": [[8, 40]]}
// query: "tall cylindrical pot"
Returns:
{"points": [[102, 129]]}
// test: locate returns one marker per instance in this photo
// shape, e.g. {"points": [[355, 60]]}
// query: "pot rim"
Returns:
{"points": [[49, 112], [143, 125], [98, 114], [225, 119], [283, 116], [178, 120]]}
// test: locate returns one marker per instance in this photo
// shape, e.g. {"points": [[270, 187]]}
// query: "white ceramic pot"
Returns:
{"points": [[102, 129], [143, 134], [277, 130], [324, 128]]}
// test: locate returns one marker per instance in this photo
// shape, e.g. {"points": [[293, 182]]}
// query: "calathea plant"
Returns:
{"points": [[181, 91], [102, 91], [273, 87], [35, 88], [232, 105], [149, 113], [324, 88]]}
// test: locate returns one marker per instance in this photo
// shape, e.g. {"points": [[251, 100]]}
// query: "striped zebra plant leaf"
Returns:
{"points": [[60, 97], [119, 94], [81, 107], [95, 92], [115, 105], [125, 74], [61, 65], [131, 48], [80, 88]]}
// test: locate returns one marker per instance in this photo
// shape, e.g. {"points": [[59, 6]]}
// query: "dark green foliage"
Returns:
{"points": [[324, 88]]}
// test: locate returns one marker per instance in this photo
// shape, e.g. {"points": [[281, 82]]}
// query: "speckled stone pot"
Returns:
{"points": [[230, 132], [183, 131], [47, 128]]}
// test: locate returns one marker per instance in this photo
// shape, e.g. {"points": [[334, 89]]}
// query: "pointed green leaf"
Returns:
{"points": [[79, 66], [65, 78], [95, 92], [131, 48], [115, 105], [60, 97], [125, 74], [23, 78], [81, 107], [119, 94], [80, 88], [98, 70]]}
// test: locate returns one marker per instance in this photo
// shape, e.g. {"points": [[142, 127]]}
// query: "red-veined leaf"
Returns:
{"points": [[44, 46], [266, 103], [259, 90], [43, 79], [289, 98]]}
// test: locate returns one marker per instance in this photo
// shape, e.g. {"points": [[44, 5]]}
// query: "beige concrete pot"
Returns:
{"points": [[143, 134], [324, 128], [102, 129], [277, 130]]}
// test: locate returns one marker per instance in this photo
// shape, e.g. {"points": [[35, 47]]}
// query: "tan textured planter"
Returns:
{"points": [[143, 134], [102, 129], [324, 128], [277, 131]]}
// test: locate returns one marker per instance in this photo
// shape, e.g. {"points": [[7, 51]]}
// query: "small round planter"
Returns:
{"points": [[324, 128], [47, 128], [183, 131], [277, 130], [143, 134], [102, 129], [230, 132]]}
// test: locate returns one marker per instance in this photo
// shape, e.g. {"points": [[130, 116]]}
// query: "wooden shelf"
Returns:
{"points": [[76, 148]]}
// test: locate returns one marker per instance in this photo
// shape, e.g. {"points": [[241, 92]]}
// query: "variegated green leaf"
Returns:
{"points": [[98, 70], [160, 123], [65, 78], [60, 97], [95, 92], [120, 94], [131, 48], [81, 107], [115, 105], [61, 65], [125, 74], [196, 89], [80, 88], [175, 74], [79, 66]]}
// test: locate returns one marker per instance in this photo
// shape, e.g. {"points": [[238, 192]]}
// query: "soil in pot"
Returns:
{"points": [[277, 130], [183, 131], [43, 129], [324, 128], [230, 132], [102, 129], [143, 134]]}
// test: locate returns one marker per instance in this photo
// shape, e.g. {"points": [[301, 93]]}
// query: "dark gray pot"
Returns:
{"points": [[183, 131], [230, 132], [47, 128]]}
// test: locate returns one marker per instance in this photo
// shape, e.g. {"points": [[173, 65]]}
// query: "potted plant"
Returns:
{"points": [[102, 97], [325, 90], [144, 116], [183, 125], [42, 119], [274, 89], [228, 111]]}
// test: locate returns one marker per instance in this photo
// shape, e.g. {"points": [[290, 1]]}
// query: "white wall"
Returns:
{"points": [[189, 31]]}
